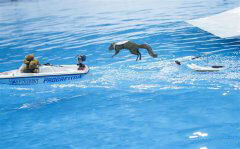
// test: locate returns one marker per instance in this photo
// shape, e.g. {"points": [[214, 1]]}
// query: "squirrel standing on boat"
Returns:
{"points": [[132, 47], [32, 65]]}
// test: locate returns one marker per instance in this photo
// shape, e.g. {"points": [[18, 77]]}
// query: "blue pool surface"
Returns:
{"points": [[120, 103]]}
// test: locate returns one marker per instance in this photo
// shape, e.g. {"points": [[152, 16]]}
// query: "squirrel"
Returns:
{"points": [[132, 47]]}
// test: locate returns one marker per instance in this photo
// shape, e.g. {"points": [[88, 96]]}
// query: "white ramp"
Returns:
{"points": [[224, 25]]}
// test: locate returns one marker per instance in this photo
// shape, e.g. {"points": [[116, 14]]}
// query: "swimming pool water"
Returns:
{"points": [[120, 103]]}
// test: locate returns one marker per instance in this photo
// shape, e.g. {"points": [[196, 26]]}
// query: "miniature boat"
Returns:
{"points": [[47, 74], [205, 68]]}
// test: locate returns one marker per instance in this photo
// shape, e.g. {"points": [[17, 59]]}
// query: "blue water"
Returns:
{"points": [[121, 103]]}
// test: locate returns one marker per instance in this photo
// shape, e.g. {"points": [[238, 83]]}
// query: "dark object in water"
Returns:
{"points": [[217, 66], [177, 62]]}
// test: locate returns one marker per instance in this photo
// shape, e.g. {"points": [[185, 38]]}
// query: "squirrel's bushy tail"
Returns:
{"points": [[149, 49]]}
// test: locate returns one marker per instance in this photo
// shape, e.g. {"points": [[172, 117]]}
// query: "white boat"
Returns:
{"points": [[47, 74], [205, 68]]}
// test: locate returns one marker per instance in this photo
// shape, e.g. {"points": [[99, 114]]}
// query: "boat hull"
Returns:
{"points": [[40, 79], [48, 74]]}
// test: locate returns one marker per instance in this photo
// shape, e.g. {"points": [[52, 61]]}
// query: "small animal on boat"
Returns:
{"points": [[132, 47], [31, 64]]}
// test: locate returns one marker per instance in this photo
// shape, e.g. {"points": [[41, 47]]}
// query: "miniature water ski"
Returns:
{"points": [[205, 68], [189, 58], [186, 58]]}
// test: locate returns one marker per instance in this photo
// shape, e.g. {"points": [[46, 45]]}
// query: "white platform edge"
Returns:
{"points": [[224, 25]]}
